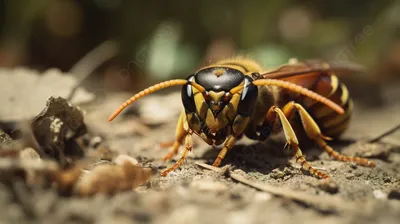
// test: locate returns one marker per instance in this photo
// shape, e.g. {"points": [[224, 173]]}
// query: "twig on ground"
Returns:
{"points": [[297, 166], [386, 133], [320, 203], [206, 166]]}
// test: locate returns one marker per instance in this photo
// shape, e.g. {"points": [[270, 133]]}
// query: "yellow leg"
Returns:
{"points": [[181, 132], [188, 148], [314, 133], [293, 142], [227, 146]]}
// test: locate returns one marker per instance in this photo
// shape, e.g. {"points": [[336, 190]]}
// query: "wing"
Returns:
{"points": [[304, 74], [308, 72]]}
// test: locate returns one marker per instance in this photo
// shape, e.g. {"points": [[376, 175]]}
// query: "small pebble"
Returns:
{"points": [[378, 194], [120, 159], [29, 153], [262, 196], [277, 174], [235, 196], [358, 174], [349, 176], [329, 186], [287, 177], [95, 141], [208, 185]]}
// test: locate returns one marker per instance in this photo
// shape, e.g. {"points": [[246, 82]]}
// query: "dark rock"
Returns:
{"points": [[56, 129], [394, 194]]}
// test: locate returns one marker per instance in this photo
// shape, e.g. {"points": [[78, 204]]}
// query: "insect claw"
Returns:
{"points": [[165, 173]]}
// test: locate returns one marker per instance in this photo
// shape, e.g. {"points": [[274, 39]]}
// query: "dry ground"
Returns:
{"points": [[193, 194]]}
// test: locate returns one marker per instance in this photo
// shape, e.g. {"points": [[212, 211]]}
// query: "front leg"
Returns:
{"points": [[239, 124], [227, 146], [188, 148]]}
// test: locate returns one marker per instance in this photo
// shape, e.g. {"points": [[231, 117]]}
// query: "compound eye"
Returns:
{"points": [[188, 97]]}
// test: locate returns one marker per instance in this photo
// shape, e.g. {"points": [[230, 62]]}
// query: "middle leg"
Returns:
{"points": [[182, 130], [276, 113], [227, 146]]}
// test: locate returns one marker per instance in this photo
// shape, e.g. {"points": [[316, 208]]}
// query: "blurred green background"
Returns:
{"points": [[155, 40]]}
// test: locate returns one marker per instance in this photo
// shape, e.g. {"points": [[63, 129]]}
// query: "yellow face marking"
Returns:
{"points": [[232, 106], [215, 124], [211, 122], [194, 122], [216, 96], [201, 105]]}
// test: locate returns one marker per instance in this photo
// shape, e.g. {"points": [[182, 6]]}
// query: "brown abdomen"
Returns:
{"points": [[331, 123]]}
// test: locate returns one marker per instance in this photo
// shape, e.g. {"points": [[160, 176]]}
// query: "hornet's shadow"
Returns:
{"points": [[266, 156]]}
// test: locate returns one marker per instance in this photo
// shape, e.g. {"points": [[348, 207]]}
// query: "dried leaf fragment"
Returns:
{"points": [[110, 178]]}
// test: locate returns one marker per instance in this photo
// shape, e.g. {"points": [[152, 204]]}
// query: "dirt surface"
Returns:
{"points": [[193, 194]]}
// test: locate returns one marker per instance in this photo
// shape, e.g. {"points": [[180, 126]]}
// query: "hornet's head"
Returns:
{"points": [[224, 104]]}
